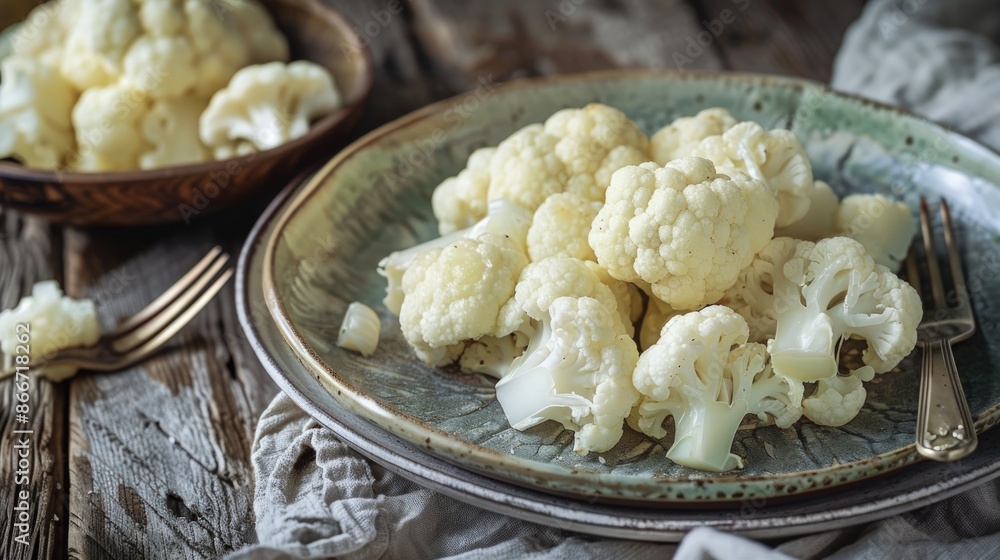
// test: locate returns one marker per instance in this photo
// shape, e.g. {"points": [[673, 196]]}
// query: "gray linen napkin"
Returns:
{"points": [[316, 498]]}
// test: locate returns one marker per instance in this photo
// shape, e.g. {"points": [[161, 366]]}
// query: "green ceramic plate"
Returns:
{"points": [[374, 198]]}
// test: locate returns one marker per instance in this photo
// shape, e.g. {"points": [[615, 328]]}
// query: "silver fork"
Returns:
{"points": [[145, 332], [944, 423]]}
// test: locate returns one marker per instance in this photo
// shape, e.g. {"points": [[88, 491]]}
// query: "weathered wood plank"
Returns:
{"points": [[29, 252], [780, 36], [159, 454], [504, 40]]}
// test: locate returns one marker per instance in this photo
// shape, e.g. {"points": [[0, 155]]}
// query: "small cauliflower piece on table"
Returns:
{"points": [[683, 228], [561, 226], [35, 113], [576, 370], [775, 157], [460, 201], [267, 105], [54, 322], [703, 372], [884, 226], [576, 150], [679, 138]]}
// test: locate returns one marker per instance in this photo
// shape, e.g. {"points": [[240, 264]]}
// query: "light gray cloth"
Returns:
{"points": [[316, 498]]}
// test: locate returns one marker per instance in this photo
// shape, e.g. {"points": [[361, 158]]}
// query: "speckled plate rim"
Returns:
{"points": [[716, 490], [864, 502]]}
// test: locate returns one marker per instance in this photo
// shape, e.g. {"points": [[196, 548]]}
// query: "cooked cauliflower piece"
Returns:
{"points": [[360, 329], [683, 228], [460, 201], [703, 372], [884, 226], [576, 150], [267, 105], [171, 128], [35, 113], [108, 124], [775, 157], [561, 226], [679, 138], [576, 371], [53, 322]]}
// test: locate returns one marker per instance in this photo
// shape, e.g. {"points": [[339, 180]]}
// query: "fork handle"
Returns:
{"points": [[944, 422]]}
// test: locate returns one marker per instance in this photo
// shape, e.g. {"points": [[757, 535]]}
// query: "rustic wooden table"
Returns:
{"points": [[154, 461]]}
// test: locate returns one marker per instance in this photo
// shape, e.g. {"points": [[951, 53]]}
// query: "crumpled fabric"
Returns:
{"points": [[316, 498]]}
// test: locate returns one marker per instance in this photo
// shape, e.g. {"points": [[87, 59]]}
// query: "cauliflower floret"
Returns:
{"points": [[753, 295], [171, 127], [838, 399], [825, 292], [560, 227], [819, 220], [503, 218], [677, 139], [35, 108], [459, 202], [885, 227], [360, 329], [453, 294], [628, 295], [683, 228], [40, 36], [775, 157], [167, 48], [53, 322], [576, 371], [695, 374], [267, 105], [108, 124], [525, 168], [576, 150], [544, 281]]}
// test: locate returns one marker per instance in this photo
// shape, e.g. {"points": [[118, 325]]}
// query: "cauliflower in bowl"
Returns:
{"points": [[115, 85], [605, 280]]}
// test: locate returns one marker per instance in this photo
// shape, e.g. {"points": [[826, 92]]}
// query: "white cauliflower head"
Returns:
{"points": [[884, 226], [679, 138], [453, 294], [561, 226], [35, 109], [683, 228], [171, 127], [838, 399], [576, 150], [108, 125], [576, 371], [775, 157], [459, 202], [267, 105], [832, 290], [704, 374]]}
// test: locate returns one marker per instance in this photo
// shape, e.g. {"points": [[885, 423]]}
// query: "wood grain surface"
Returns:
{"points": [[155, 461]]}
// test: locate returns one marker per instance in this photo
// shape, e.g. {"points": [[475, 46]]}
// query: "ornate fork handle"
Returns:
{"points": [[944, 422]]}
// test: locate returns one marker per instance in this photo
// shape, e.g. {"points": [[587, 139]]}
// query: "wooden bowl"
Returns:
{"points": [[182, 193]]}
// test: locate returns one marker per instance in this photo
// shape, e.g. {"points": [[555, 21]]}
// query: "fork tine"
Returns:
{"points": [[913, 270], [138, 354], [933, 272], [138, 336], [954, 259], [168, 296]]}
